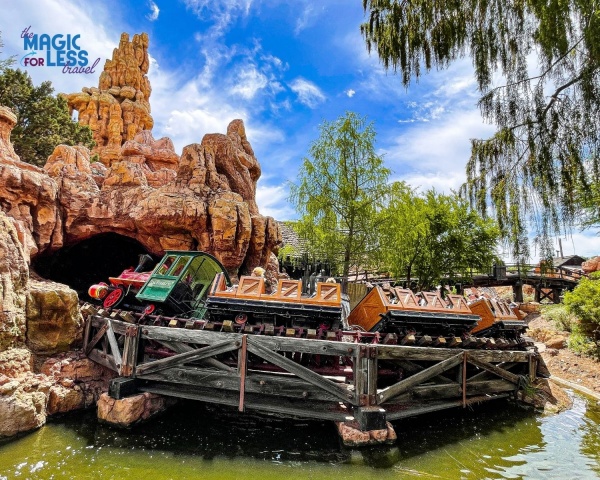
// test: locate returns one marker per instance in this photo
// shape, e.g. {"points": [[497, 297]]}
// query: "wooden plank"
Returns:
{"points": [[197, 354], [243, 367], [94, 341], [300, 371], [103, 359], [130, 351], [413, 411], [266, 384], [282, 344], [413, 368], [87, 332], [412, 381], [305, 409], [511, 377], [485, 375], [400, 352], [360, 378], [456, 390], [114, 347], [209, 362]]}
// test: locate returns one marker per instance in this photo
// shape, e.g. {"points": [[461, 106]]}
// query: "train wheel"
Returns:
{"points": [[114, 298], [149, 309]]}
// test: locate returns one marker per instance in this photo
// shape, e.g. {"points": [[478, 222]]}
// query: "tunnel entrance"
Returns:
{"points": [[90, 261]]}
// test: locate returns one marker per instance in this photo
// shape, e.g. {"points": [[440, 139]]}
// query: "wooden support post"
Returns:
{"points": [[464, 379], [242, 369], [87, 332], [556, 294], [130, 351], [533, 360], [518, 292], [372, 375]]}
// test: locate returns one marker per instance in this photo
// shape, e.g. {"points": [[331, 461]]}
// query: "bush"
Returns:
{"points": [[584, 303], [560, 317]]}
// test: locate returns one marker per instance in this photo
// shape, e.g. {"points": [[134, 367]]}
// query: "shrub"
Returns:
{"points": [[560, 317], [584, 303]]}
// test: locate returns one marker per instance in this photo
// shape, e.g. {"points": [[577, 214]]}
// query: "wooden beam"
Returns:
{"points": [[269, 385], [103, 359], [400, 352], [197, 354], [184, 347], [114, 347], [456, 390], [300, 371], [243, 367], [304, 409], [485, 375], [413, 411], [281, 344], [94, 341], [511, 377], [414, 380]]}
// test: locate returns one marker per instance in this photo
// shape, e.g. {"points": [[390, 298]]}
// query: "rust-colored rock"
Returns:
{"points": [[14, 282], [140, 187], [131, 410], [119, 108], [28, 195], [591, 265], [234, 159], [556, 342], [54, 323]]}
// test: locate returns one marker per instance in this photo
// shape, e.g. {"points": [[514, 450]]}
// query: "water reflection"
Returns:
{"points": [[199, 441]]}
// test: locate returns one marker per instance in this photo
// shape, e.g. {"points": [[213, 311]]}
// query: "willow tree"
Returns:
{"points": [[545, 108], [340, 186], [429, 236]]}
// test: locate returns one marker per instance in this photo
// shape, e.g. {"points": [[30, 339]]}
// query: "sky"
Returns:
{"points": [[283, 68]]}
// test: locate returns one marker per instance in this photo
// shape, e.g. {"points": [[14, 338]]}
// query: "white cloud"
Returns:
{"points": [[305, 18], [272, 201], [61, 17], [248, 82], [349, 92], [442, 181], [185, 109], [154, 11], [308, 93], [222, 12], [440, 145]]}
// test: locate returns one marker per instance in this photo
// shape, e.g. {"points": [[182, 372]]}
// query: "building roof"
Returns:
{"points": [[571, 260]]}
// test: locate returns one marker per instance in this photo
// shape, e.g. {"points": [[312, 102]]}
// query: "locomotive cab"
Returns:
{"points": [[180, 282]]}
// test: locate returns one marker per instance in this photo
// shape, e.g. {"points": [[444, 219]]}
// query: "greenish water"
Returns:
{"points": [[198, 441]]}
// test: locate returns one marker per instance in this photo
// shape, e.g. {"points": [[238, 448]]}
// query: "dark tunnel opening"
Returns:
{"points": [[90, 261]]}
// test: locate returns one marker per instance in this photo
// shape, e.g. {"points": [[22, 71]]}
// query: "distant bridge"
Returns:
{"points": [[548, 281]]}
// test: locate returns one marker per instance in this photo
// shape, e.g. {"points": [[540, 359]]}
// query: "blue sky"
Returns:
{"points": [[283, 67]]}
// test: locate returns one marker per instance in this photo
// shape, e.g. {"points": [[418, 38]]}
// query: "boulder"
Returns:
{"points": [[556, 342], [591, 265], [54, 323], [131, 410]]}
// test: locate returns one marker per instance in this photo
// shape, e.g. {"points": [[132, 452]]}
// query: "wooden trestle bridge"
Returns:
{"points": [[359, 378], [549, 282]]}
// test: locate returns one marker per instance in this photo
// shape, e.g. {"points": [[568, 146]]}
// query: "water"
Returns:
{"points": [[198, 441]]}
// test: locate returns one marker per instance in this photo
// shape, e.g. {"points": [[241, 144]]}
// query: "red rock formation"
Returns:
{"points": [[119, 108], [14, 284], [591, 265]]}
